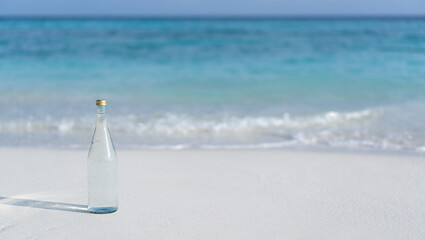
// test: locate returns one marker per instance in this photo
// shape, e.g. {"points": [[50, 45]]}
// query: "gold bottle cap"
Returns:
{"points": [[101, 102]]}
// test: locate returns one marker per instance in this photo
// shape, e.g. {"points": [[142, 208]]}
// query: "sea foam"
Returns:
{"points": [[357, 129]]}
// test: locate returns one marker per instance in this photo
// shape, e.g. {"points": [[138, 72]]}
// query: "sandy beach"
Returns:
{"points": [[216, 195]]}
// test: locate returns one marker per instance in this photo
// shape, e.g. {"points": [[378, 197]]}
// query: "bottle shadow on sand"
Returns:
{"points": [[59, 206]]}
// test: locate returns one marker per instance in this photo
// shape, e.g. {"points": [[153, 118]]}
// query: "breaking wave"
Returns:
{"points": [[365, 129], [185, 125]]}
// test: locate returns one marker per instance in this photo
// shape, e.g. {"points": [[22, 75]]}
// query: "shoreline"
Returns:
{"points": [[341, 151]]}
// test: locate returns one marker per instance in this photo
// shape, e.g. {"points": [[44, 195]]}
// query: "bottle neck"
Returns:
{"points": [[101, 109], [101, 117]]}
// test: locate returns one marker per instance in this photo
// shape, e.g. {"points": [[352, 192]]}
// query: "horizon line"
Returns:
{"points": [[212, 17]]}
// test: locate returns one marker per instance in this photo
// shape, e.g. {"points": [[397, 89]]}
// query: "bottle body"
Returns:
{"points": [[102, 168]]}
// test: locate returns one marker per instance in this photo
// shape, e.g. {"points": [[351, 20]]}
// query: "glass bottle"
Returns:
{"points": [[102, 167]]}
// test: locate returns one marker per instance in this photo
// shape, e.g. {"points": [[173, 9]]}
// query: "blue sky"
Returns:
{"points": [[212, 7]]}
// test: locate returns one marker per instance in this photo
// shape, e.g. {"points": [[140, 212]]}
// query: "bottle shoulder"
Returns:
{"points": [[102, 147]]}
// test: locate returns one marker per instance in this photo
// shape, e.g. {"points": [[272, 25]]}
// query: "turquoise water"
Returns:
{"points": [[215, 83]]}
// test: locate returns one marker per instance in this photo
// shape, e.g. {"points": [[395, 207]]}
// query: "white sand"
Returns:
{"points": [[216, 195]]}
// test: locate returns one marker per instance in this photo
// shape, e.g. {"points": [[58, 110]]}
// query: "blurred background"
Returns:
{"points": [[225, 74]]}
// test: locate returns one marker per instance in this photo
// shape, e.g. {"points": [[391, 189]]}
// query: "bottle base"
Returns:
{"points": [[101, 210]]}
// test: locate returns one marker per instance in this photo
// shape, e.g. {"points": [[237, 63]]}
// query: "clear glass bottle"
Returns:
{"points": [[102, 167]]}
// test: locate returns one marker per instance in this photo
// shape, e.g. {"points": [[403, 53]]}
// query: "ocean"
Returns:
{"points": [[356, 84]]}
